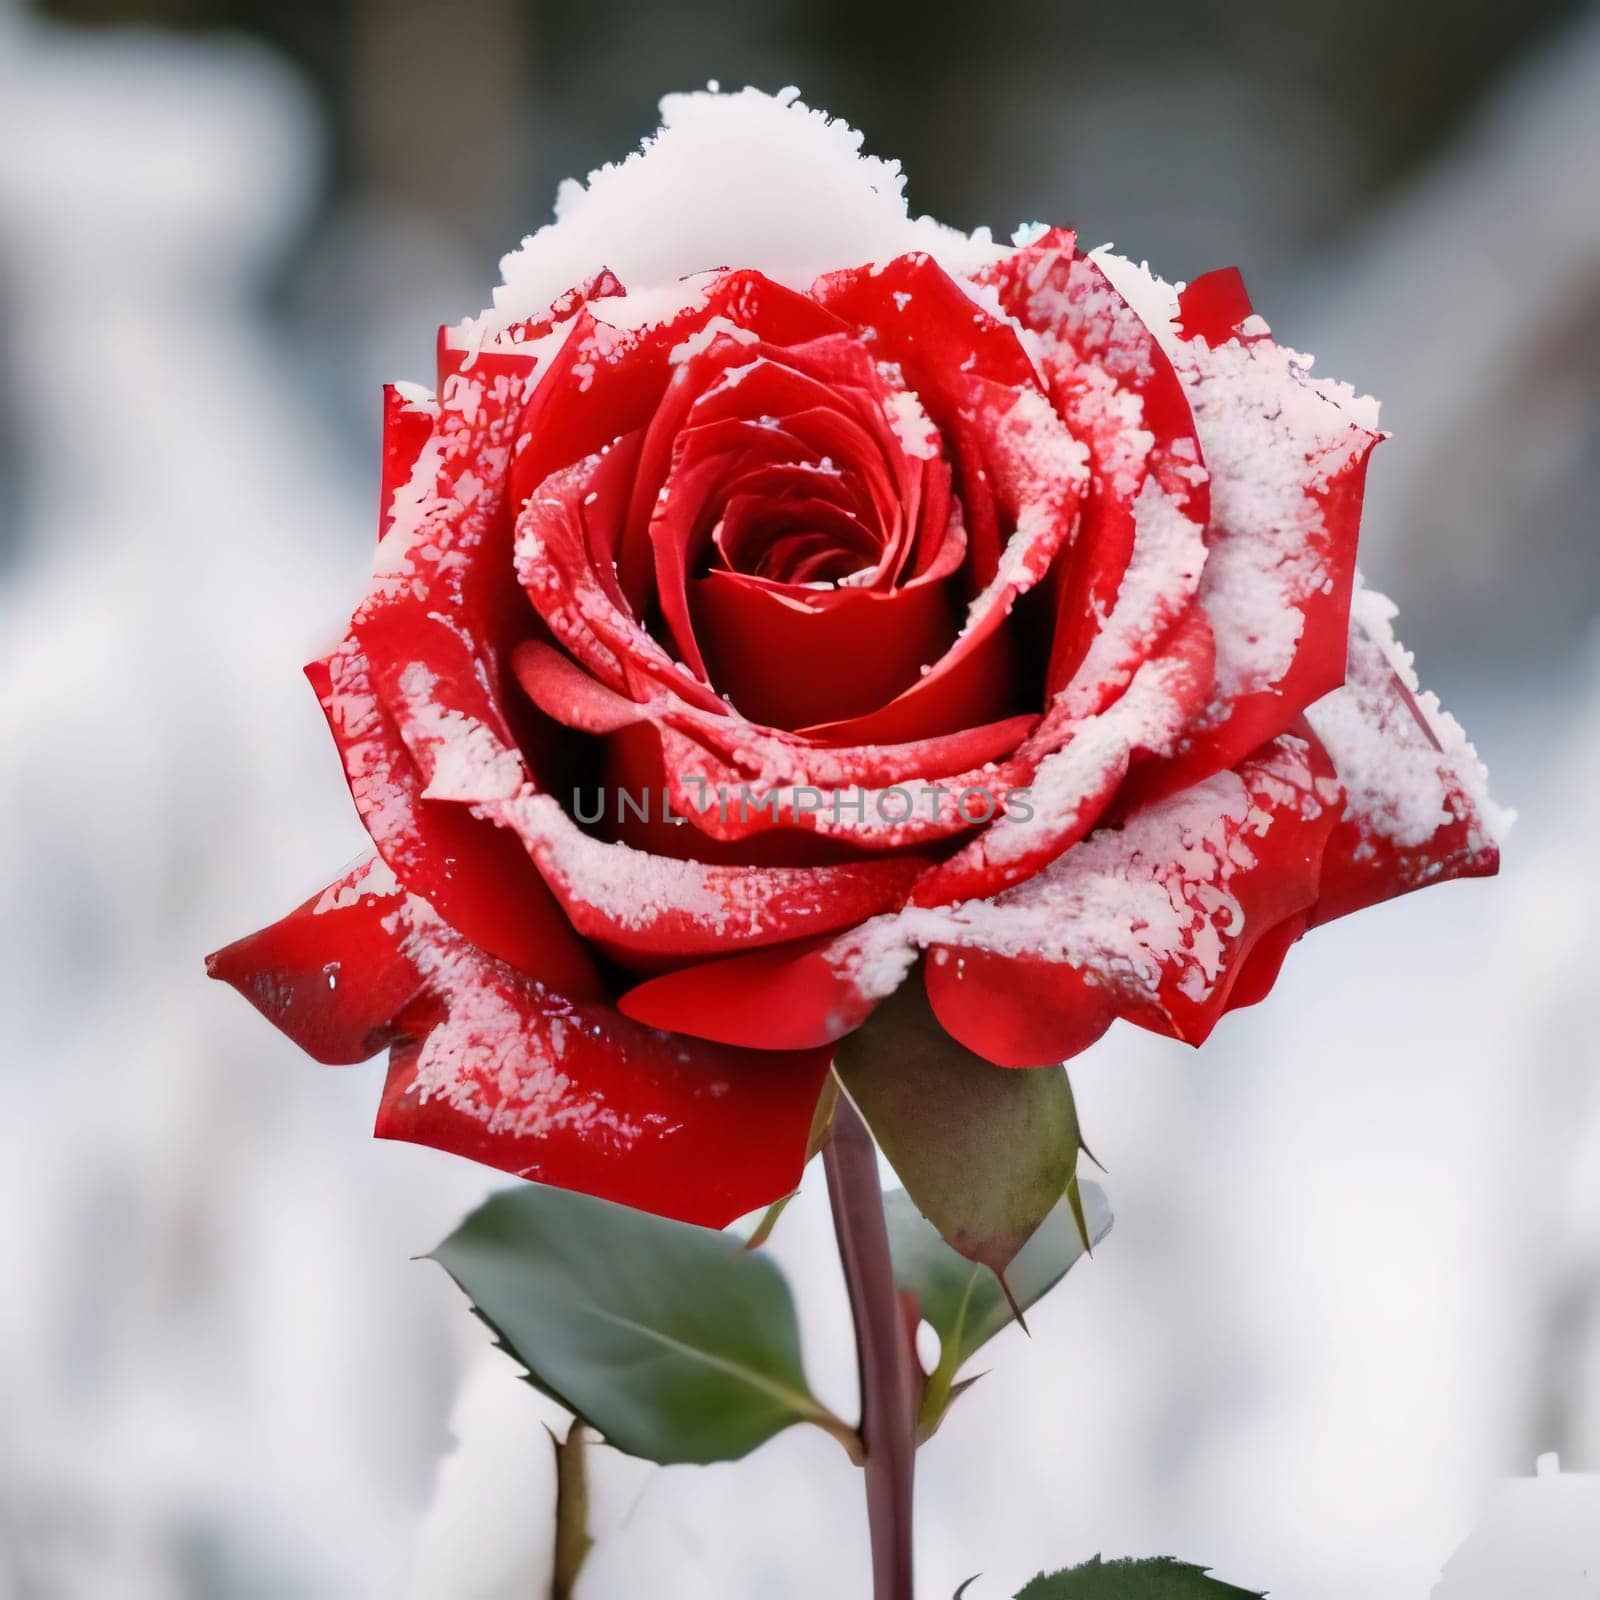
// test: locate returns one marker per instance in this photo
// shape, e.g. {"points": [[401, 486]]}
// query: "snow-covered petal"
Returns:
{"points": [[1071, 787], [1138, 558], [636, 904], [1417, 806], [490, 1064], [476, 875], [1287, 458], [1151, 921], [331, 974]]}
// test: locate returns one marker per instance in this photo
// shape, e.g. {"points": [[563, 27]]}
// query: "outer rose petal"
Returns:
{"points": [[492, 1065], [331, 974], [636, 904], [1287, 456], [1418, 809], [796, 997], [444, 602], [409, 417], [475, 874], [1260, 969], [1152, 921], [444, 605], [579, 1097]]}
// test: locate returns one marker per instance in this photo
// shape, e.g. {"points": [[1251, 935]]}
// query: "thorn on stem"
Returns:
{"points": [[1011, 1300]]}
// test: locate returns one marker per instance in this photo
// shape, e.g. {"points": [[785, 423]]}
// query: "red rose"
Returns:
{"points": [[1001, 622]]}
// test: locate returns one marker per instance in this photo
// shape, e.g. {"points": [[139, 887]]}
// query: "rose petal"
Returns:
{"points": [[332, 974], [561, 689], [725, 803], [1071, 787], [1136, 563], [409, 417], [1417, 805], [1151, 921], [635, 904], [580, 1097], [940, 338], [446, 553], [477, 875], [793, 998], [1213, 306], [583, 609], [787, 660], [496, 1067], [735, 780], [1037, 472], [607, 380], [1259, 970], [1287, 457], [444, 605]]}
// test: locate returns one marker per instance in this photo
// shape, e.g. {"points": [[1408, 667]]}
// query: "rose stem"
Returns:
{"points": [[572, 1511], [883, 1349]]}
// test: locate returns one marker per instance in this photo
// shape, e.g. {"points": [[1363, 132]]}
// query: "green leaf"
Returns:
{"points": [[673, 1341], [1158, 1579], [985, 1152], [962, 1301]]}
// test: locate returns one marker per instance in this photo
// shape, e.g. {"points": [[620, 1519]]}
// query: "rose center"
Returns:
{"points": [[810, 546]]}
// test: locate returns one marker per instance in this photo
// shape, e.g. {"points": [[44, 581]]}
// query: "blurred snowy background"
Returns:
{"points": [[1355, 1275]]}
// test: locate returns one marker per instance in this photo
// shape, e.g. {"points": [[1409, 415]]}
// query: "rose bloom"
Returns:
{"points": [[930, 531]]}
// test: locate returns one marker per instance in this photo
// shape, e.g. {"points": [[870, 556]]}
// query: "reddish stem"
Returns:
{"points": [[886, 1360]]}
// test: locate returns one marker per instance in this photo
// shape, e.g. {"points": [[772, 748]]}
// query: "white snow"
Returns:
{"points": [[1398, 781], [917, 435], [1168, 558], [704, 338], [730, 180], [1134, 905], [1050, 470], [631, 887], [493, 1058], [464, 760], [1155, 300], [372, 878], [1270, 434], [1259, 426]]}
